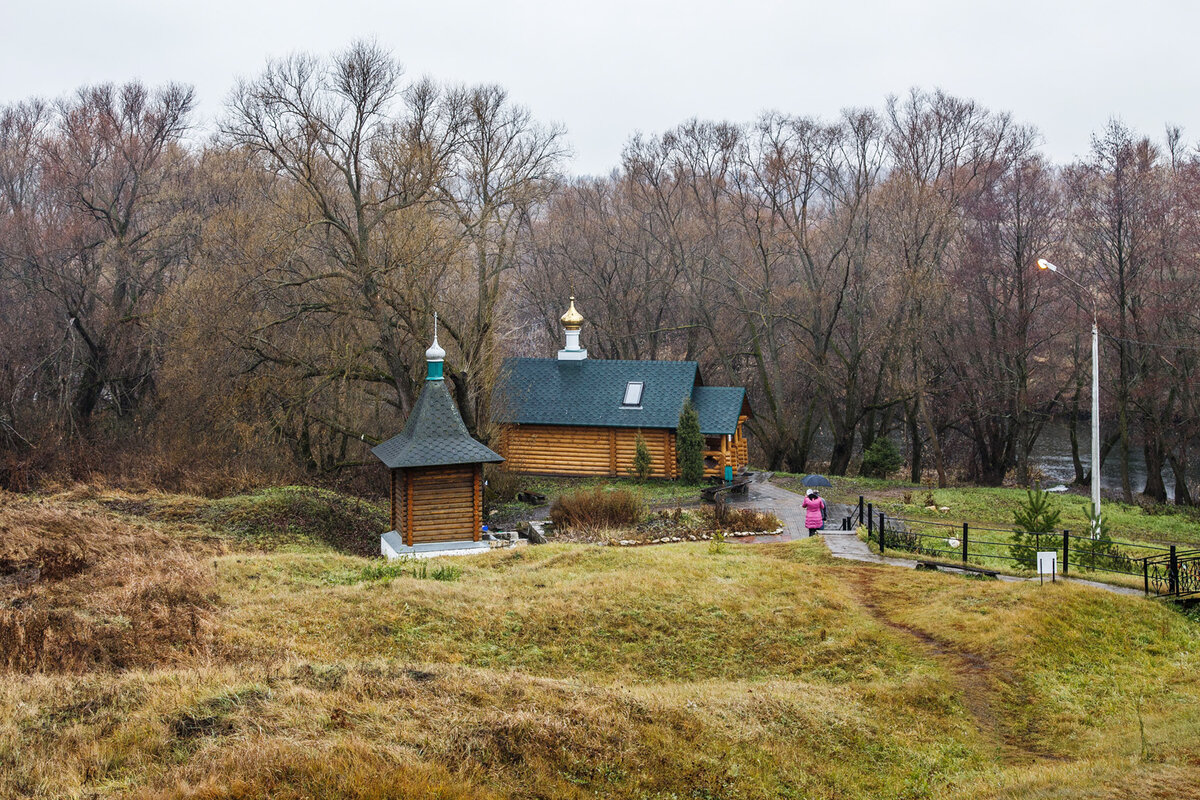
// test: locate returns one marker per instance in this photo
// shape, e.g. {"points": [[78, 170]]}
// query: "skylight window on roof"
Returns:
{"points": [[633, 395]]}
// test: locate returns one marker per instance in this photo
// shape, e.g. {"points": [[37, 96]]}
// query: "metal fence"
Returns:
{"points": [[1163, 570]]}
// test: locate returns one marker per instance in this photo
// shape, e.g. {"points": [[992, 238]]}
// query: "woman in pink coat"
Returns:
{"points": [[814, 512]]}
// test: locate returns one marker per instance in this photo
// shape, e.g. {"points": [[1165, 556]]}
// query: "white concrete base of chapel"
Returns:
{"points": [[392, 545]]}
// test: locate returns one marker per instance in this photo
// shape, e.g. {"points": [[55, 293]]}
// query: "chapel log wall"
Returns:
{"points": [[437, 504]]}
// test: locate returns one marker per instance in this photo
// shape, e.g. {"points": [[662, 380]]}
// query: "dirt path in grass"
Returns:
{"points": [[977, 679]]}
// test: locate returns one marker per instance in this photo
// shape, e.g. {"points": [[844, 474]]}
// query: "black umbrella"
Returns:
{"points": [[816, 480]]}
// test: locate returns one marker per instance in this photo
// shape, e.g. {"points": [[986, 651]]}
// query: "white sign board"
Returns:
{"points": [[1048, 562]]}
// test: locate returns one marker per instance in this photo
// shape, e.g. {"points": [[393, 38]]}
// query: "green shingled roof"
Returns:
{"points": [[548, 391], [718, 408], [434, 435]]}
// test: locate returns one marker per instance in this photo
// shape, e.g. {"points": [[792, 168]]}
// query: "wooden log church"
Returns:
{"points": [[572, 415], [436, 471]]}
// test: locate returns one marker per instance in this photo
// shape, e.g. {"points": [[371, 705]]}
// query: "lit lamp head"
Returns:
{"points": [[1044, 264]]}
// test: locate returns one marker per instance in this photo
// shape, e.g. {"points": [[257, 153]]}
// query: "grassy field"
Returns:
{"points": [[239, 649], [986, 507], [995, 550]]}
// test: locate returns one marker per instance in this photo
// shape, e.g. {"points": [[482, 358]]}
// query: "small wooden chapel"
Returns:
{"points": [[436, 471]]}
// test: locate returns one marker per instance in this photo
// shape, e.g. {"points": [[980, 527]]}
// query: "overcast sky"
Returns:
{"points": [[605, 69]]}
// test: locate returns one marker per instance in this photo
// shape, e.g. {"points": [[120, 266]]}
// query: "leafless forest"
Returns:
{"points": [[203, 309]]}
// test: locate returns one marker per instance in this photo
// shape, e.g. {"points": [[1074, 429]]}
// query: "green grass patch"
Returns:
{"points": [[993, 549], [385, 571], [1076, 666], [677, 612]]}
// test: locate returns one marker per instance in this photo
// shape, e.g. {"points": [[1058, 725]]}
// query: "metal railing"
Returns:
{"points": [[1164, 570], [1176, 574], [857, 514]]}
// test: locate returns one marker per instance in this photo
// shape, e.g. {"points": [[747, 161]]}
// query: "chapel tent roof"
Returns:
{"points": [[434, 435], [549, 391]]}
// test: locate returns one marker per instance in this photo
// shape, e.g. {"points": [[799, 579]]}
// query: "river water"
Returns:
{"points": [[1052, 455]]}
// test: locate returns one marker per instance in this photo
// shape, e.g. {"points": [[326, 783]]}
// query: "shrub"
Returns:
{"points": [[500, 485], [717, 543], [880, 459], [909, 541], [596, 508], [689, 445], [749, 519], [1036, 515], [641, 458], [1102, 553]]}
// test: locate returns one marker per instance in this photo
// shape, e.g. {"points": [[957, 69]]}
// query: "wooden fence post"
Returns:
{"points": [[1066, 551], [882, 520], [965, 533]]}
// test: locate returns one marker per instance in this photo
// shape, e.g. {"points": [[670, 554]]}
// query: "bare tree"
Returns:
{"points": [[98, 224], [943, 151], [357, 155], [1006, 319], [505, 168]]}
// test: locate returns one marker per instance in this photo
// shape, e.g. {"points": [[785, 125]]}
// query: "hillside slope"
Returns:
{"points": [[189, 654]]}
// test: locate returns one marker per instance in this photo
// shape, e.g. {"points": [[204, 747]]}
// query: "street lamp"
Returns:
{"points": [[1044, 264]]}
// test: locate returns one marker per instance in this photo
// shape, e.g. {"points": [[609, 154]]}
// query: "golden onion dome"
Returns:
{"points": [[572, 320]]}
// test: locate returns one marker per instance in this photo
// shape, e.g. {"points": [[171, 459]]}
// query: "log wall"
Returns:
{"points": [[437, 504], [579, 450], [444, 504]]}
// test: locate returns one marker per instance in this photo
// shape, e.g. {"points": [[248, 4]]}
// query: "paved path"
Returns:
{"points": [[846, 544]]}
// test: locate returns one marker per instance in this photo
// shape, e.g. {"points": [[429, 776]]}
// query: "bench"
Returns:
{"points": [[740, 485], [532, 498], [937, 565]]}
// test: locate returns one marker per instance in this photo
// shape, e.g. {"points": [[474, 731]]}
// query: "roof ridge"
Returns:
{"points": [[604, 360]]}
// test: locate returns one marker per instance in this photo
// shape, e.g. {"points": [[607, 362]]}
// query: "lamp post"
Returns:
{"points": [[1044, 264]]}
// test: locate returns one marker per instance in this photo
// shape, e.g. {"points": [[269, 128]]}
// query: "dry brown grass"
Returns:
{"points": [[282, 770], [733, 518], [596, 509], [82, 590], [389, 729]]}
